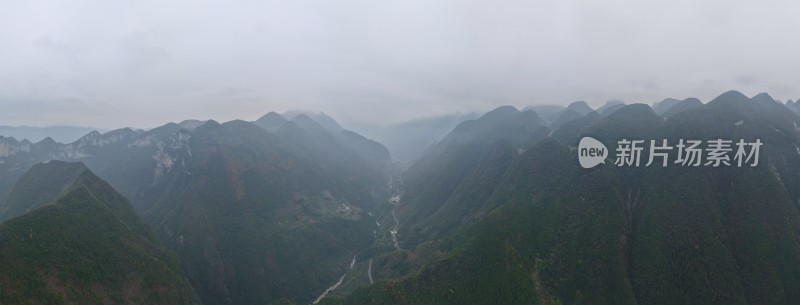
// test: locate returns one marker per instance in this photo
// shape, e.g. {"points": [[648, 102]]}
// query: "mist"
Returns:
{"points": [[109, 64]]}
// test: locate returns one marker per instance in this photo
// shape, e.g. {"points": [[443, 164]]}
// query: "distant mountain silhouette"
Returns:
{"points": [[36, 134]]}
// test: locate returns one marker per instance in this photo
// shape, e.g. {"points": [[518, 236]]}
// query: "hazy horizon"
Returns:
{"points": [[361, 126]]}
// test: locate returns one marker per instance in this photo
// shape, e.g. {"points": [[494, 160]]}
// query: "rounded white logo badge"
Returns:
{"points": [[591, 152]]}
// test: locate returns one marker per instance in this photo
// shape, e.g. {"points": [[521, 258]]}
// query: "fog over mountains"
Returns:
{"points": [[142, 63], [490, 208], [63, 134], [410, 152]]}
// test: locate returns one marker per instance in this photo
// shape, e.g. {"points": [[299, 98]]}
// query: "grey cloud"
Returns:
{"points": [[144, 63]]}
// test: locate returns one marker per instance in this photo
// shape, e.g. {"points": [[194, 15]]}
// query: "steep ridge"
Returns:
{"points": [[239, 204], [452, 171], [86, 246], [41, 185], [264, 216], [678, 234]]}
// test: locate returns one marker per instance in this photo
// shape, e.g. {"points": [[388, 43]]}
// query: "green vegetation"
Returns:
{"points": [[87, 248], [499, 212], [41, 185], [560, 234], [448, 187], [268, 215], [512, 255]]}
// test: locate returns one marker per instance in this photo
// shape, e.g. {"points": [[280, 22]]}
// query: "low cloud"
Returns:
{"points": [[122, 63]]}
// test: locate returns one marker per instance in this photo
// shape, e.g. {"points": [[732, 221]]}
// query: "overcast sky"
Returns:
{"points": [[144, 63]]}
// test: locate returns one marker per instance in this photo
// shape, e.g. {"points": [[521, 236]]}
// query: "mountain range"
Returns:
{"points": [[64, 134], [293, 208], [551, 232]]}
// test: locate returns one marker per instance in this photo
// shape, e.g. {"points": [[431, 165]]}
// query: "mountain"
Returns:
{"points": [[606, 111], [41, 185], [633, 120], [373, 152], [447, 186], [566, 116], [254, 215], [689, 103], [569, 132], [555, 233], [610, 106], [36, 134], [332, 135], [555, 116], [508, 255], [442, 193], [261, 216], [407, 141], [580, 107], [132, 161], [81, 243], [793, 106], [548, 112], [320, 118], [764, 98], [271, 121], [663, 106], [191, 124], [498, 211]]}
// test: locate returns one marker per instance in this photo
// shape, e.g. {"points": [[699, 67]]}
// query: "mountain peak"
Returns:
{"points": [[328, 122], [242, 126], [530, 114], [271, 121], [10, 140], [763, 98], [545, 110], [501, 111], [85, 238], [682, 106], [628, 121], [93, 133], [307, 122], [581, 107], [210, 124], [730, 97], [636, 109], [272, 115], [321, 119], [191, 124], [664, 105], [47, 141], [41, 185]]}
